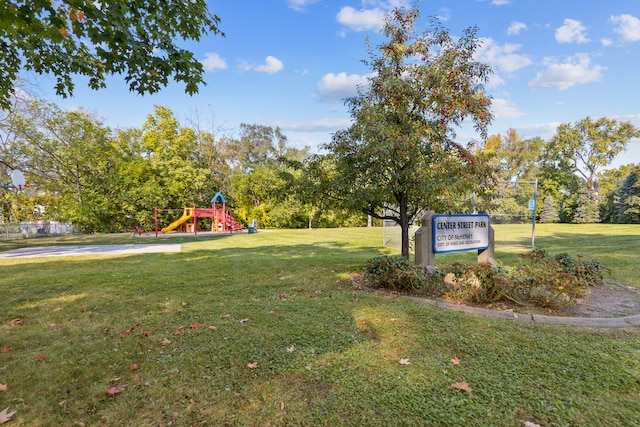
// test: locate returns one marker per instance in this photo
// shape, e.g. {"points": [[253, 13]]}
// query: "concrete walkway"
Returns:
{"points": [[587, 322], [49, 251]]}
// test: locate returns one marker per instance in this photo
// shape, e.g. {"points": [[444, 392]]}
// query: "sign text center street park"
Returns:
{"points": [[458, 232]]}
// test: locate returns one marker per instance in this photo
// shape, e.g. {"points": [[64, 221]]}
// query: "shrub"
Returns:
{"points": [[394, 272]]}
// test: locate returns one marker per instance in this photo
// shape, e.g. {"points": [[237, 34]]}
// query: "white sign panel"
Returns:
{"points": [[452, 233]]}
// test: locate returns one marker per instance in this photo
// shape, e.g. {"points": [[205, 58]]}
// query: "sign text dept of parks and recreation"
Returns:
{"points": [[459, 232]]}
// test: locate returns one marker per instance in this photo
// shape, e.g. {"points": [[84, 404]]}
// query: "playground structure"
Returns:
{"points": [[222, 219]]}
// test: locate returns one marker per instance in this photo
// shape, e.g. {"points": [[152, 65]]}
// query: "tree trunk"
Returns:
{"points": [[404, 224]]}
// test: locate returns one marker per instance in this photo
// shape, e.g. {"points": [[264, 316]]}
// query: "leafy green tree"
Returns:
{"points": [[549, 212], [261, 174], [96, 39], [628, 200], [586, 211], [589, 145], [69, 155], [608, 183], [399, 158], [518, 158]]}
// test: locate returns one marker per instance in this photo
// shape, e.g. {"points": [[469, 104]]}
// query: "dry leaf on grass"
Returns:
{"points": [[179, 331], [134, 367], [16, 322], [252, 365], [462, 386], [213, 328], [195, 325], [117, 389], [404, 361], [3, 387], [40, 358], [6, 349], [530, 424], [244, 320], [291, 349], [455, 361], [5, 415], [165, 342]]}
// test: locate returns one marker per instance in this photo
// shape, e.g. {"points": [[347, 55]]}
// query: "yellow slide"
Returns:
{"points": [[186, 216]]}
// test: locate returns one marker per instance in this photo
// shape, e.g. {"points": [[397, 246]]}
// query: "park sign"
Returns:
{"points": [[459, 232]]}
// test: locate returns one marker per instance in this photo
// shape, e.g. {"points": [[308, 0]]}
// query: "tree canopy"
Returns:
{"points": [[135, 38], [399, 157]]}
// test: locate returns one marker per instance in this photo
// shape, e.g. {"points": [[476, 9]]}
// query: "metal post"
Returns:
{"points": [[535, 210]]}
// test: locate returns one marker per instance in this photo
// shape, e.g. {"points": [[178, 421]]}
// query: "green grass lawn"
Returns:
{"points": [[266, 329]]}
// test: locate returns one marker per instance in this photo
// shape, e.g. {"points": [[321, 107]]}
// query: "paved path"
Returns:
{"points": [[48, 251]]}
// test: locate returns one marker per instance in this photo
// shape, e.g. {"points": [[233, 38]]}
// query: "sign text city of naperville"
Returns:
{"points": [[459, 232]]}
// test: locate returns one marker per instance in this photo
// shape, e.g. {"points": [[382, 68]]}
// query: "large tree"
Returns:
{"points": [[399, 156], [588, 146], [135, 38]]}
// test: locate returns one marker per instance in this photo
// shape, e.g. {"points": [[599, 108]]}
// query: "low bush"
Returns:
{"points": [[394, 272], [539, 278]]}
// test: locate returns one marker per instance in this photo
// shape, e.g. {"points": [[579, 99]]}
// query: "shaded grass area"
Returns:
{"points": [[324, 353]]}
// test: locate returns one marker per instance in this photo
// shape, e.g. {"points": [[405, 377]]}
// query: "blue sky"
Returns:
{"points": [[290, 63]]}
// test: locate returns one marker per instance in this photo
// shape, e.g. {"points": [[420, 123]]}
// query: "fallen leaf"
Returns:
{"points": [[213, 328], [5, 415], [455, 361], [3, 387], [252, 365], [115, 379], [244, 320], [195, 325], [16, 322], [404, 361], [6, 349], [40, 358], [225, 316], [57, 309], [179, 331], [530, 424], [117, 389], [462, 386], [84, 309], [146, 334], [282, 297], [291, 349], [165, 342], [134, 367], [282, 406]]}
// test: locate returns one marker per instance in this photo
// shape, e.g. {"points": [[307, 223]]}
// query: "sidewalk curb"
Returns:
{"points": [[585, 322]]}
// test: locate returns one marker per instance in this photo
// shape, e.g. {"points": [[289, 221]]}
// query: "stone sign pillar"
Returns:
{"points": [[425, 257], [487, 256]]}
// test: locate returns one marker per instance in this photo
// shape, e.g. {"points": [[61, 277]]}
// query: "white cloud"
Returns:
{"points": [[628, 26], [515, 28], [504, 109], [500, 2], [572, 32], [301, 5], [606, 42], [495, 81], [213, 61], [334, 87], [503, 57], [321, 125], [361, 20], [575, 70], [272, 65], [444, 15]]}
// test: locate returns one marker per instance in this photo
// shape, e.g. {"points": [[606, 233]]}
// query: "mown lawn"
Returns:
{"points": [[266, 329]]}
